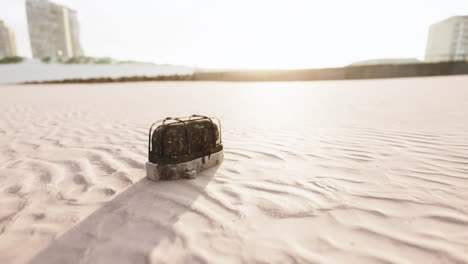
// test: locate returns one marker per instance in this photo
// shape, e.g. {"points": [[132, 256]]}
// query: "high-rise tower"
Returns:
{"points": [[448, 40], [53, 30], [7, 41]]}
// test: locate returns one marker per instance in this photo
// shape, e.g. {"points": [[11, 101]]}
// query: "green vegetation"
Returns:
{"points": [[133, 62], [88, 60], [103, 61], [72, 60], [12, 59], [79, 60], [46, 59]]}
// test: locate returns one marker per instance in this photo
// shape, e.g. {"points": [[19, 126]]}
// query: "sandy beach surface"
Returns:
{"points": [[369, 171]]}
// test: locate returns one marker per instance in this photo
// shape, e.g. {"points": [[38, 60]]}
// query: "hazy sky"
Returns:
{"points": [[248, 33]]}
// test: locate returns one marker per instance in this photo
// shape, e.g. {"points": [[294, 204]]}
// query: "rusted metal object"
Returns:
{"points": [[182, 147]]}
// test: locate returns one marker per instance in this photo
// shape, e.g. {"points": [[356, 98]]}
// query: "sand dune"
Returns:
{"points": [[314, 172]]}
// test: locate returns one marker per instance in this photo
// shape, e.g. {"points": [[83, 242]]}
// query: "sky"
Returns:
{"points": [[248, 33]]}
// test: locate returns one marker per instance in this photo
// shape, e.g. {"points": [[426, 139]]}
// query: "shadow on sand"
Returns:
{"points": [[126, 229]]}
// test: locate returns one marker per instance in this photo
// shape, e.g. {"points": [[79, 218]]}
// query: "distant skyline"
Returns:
{"points": [[53, 30], [248, 33]]}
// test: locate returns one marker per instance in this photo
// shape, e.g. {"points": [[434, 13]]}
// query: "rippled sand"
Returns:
{"points": [[336, 172]]}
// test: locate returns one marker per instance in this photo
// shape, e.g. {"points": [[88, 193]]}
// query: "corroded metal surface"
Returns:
{"points": [[183, 147], [188, 169], [184, 140]]}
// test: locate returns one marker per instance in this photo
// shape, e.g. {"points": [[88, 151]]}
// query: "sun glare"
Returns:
{"points": [[247, 34]]}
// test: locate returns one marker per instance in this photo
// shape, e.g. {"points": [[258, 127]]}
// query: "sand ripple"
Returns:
{"points": [[321, 192]]}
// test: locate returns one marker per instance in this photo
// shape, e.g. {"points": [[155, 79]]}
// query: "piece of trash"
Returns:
{"points": [[190, 174], [182, 147]]}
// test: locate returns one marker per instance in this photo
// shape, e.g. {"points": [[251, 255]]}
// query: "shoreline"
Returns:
{"points": [[344, 73]]}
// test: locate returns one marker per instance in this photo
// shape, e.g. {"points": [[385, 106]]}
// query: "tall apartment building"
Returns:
{"points": [[53, 30], [448, 40], [7, 41]]}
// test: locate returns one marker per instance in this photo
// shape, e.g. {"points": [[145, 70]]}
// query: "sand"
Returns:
{"points": [[315, 172]]}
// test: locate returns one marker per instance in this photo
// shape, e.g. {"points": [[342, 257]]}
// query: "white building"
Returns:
{"points": [[448, 40], [53, 30], [7, 41]]}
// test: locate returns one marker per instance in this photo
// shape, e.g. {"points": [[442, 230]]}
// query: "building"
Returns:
{"points": [[53, 30], [7, 41], [448, 40]]}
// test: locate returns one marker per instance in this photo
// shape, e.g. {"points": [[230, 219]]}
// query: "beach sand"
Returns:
{"points": [[371, 171]]}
